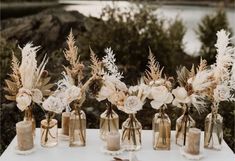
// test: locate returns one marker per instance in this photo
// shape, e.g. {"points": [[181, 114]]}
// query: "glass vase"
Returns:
{"points": [[131, 134], [109, 122], [28, 116], [183, 123], [77, 128], [213, 134], [161, 131], [49, 133]]}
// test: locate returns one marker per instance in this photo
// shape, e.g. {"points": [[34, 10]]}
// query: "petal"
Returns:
{"points": [[169, 98], [155, 104]]}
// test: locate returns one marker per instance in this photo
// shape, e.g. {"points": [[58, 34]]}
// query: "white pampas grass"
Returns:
{"points": [[202, 80], [224, 68], [28, 65], [225, 56], [109, 63]]}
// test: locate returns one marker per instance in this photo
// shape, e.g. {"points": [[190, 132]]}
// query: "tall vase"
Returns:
{"points": [[28, 116], [161, 131], [213, 134], [49, 132], [183, 123], [109, 122], [77, 128], [131, 133]]}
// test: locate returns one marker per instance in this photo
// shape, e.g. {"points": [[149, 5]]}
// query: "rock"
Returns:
{"points": [[48, 28]]}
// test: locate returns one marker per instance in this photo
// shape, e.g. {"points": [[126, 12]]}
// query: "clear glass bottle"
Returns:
{"points": [[77, 128], [28, 116], [49, 133], [131, 133], [109, 122], [213, 134], [161, 131], [183, 123]]}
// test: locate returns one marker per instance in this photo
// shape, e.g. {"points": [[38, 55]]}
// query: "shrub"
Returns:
{"points": [[131, 33], [206, 32]]}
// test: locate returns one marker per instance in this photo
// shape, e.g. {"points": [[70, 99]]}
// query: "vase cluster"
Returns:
{"points": [[198, 87]]}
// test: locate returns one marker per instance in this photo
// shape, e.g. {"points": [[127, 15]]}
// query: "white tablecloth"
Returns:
{"points": [[92, 152]]}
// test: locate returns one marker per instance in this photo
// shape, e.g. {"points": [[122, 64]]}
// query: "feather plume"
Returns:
{"points": [[28, 65], [202, 80], [224, 58]]}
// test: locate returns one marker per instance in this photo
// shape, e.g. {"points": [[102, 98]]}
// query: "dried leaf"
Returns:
{"points": [[96, 65], [153, 72], [183, 75]]}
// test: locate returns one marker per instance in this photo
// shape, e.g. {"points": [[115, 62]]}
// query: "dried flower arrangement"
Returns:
{"points": [[160, 88], [28, 83], [75, 86], [160, 95], [220, 89]]}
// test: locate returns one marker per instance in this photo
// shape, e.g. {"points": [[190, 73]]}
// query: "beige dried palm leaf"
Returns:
{"points": [[183, 74]]}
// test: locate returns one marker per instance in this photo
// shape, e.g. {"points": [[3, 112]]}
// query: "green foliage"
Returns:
{"points": [[131, 33], [207, 29]]}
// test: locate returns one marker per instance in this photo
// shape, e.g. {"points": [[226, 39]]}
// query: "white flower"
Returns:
{"points": [[23, 98], [36, 95], [132, 104], [117, 98], [104, 93], [221, 93], [53, 104], [72, 93], [181, 96], [160, 96]]}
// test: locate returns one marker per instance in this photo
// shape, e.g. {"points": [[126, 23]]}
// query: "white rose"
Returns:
{"points": [[72, 93], [36, 95], [160, 96], [132, 104], [181, 96], [221, 93], [53, 104], [104, 93], [23, 98]]}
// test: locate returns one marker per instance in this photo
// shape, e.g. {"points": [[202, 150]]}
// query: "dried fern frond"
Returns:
{"points": [[75, 70], [96, 65], [14, 83], [202, 66], [183, 74], [153, 72]]}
